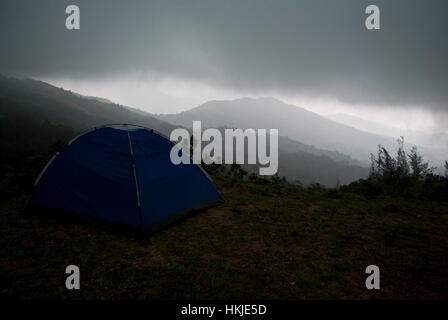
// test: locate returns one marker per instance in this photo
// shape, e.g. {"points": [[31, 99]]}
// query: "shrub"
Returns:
{"points": [[405, 175]]}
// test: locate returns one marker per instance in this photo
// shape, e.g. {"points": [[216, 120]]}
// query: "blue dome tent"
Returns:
{"points": [[123, 175]]}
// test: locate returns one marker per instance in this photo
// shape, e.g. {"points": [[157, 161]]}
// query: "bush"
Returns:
{"points": [[403, 176]]}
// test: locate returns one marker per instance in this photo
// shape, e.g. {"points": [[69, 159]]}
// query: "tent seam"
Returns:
{"points": [[135, 179]]}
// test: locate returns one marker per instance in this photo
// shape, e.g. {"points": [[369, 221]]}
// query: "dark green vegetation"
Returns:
{"points": [[405, 175], [269, 240]]}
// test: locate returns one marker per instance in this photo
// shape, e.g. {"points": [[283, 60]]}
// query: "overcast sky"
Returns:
{"points": [[167, 56]]}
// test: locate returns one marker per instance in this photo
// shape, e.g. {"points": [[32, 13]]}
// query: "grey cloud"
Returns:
{"points": [[313, 47]]}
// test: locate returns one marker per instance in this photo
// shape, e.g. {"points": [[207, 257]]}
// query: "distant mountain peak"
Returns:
{"points": [[245, 103], [260, 99], [295, 122]]}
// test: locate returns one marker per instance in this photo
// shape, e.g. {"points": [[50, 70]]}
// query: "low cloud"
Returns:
{"points": [[309, 48]]}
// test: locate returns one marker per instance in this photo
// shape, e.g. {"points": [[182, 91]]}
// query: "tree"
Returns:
{"points": [[420, 169], [402, 175], [383, 165], [446, 168], [402, 165], [373, 168]]}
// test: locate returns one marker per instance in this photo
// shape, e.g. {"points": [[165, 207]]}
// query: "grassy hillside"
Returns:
{"points": [[40, 101], [268, 240]]}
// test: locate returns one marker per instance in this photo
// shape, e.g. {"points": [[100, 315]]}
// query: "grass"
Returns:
{"points": [[266, 242]]}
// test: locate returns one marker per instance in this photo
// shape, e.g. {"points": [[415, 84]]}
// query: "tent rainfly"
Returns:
{"points": [[122, 175]]}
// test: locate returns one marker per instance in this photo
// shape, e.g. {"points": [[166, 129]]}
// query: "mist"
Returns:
{"points": [[166, 57]]}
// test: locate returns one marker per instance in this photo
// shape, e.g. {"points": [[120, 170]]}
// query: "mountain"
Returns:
{"points": [[40, 101], [294, 122], [311, 168], [434, 140], [308, 165], [297, 160], [34, 115], [104, 100], [288, 145]]}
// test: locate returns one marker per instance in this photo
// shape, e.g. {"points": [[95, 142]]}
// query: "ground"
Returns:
{"points": [[268, 241]]}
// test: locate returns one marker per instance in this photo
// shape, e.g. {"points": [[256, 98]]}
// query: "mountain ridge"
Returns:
{"points": [[59, 106], [412, 136], [33, 108], [215, 113], [295, 122]]}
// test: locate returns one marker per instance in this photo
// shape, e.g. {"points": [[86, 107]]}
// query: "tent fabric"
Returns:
{"points": [[123, 174]]}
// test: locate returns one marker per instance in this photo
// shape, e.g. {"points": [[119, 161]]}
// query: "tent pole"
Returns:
{"points": [[135, 179]]}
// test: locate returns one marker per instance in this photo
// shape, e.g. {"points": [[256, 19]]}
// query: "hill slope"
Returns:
{"points": [[292, 121], [39, 101], [435, 140], [266, 242]]}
